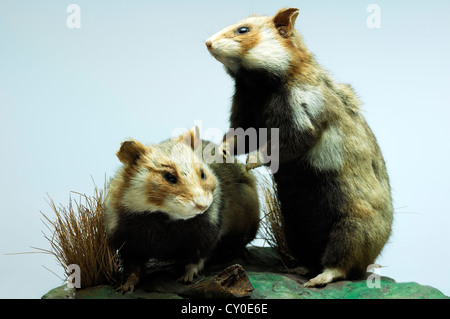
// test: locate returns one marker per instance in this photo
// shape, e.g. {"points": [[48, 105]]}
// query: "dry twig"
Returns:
{"points": [[271, 224]]}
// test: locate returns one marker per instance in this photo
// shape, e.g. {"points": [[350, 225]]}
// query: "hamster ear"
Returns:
{"points": [[191, 138], [130, 151], [284, 21]]}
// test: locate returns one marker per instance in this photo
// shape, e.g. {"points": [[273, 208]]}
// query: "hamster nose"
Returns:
{"points": [[201, 207], [201, 203], [208, 44]]}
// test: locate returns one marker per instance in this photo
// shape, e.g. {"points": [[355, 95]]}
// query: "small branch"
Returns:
{"points": [[232, 282]]}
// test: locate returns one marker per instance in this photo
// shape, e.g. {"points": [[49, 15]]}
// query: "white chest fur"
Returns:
{"points": [[308, 104]]}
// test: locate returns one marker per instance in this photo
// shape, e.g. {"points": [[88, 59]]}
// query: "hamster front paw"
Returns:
{"points": [[253, 161], [191, 272], [130, 284]]}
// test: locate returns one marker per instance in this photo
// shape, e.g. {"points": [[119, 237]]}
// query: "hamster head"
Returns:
{"points": [[167, 177], [258, 42]]}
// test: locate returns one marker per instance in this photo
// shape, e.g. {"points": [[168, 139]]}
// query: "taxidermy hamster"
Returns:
{"points": [[166, 203], [333, 187]]}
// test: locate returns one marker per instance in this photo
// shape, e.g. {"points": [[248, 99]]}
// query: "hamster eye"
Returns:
{"points": [[242, 30], [202, 174], [172, 179]]}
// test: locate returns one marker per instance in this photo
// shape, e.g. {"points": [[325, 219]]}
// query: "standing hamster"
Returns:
{"points": [[167, 203], [332, 182]]}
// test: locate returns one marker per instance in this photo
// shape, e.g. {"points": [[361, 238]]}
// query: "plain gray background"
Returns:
{"points": [[140, 69]]}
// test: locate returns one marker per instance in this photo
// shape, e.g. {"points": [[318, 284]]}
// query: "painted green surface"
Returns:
{"points": [[276, 286], [265, 272]]}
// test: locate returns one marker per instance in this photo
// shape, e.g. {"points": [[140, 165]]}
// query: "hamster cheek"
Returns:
{"points": [[268, 53]]}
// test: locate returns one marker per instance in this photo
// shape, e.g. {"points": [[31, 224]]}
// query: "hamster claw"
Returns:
{"points": [[328, 275], [191, 272], [187, 278]]}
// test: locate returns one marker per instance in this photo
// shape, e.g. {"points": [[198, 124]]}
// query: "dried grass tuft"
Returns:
{"points": [[78, 237], [271, 224]]}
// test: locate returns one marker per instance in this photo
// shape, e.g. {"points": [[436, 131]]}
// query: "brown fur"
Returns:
{"points": [[332, 181]]}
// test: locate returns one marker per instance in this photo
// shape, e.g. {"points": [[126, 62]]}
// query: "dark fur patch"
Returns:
{"points": [[311, 203], [261, 101], [141, 236]]}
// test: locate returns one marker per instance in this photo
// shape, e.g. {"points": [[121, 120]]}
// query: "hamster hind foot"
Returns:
{"points": [[327, 276]]}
